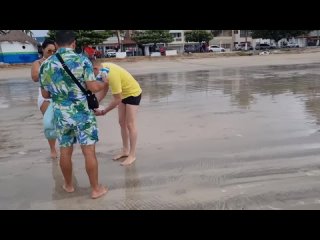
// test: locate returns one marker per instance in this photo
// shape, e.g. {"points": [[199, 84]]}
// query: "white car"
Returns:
{"points": [[292, 45], [216, 48], [110, 53]]}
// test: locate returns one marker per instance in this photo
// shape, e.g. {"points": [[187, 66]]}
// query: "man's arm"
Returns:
{"points": [[101, 95], [35, 71], [96, 86], [115, 102], [90, 80], [43, 79]]}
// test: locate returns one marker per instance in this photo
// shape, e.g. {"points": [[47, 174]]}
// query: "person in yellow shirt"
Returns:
{"points": [[126, 93]]}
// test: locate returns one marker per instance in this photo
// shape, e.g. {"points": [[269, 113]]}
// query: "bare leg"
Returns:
{"points": [[66, 168], [52, 142], [89, 153], [131, 115], [124, 132]]}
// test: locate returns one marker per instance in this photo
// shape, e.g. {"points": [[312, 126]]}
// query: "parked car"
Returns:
{"points": [[292, 45], [215, 48], [192, 48], [242, 47], [264, 46], [110, 53]]}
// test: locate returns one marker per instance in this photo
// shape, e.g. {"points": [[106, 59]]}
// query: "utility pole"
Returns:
{"points": [[232, 40], [246, 38]]}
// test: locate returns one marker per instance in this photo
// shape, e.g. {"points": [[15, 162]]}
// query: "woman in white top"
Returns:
{"points": [[48, 48]]}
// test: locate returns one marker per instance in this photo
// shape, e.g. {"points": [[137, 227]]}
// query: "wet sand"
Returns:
{"points": [[221, 133]]}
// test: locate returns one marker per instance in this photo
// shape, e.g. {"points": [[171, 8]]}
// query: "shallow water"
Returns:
{"points": [[241, 138]]}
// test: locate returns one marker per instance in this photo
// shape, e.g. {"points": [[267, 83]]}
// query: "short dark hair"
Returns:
{"points": [[47, 42], [65, 37]]}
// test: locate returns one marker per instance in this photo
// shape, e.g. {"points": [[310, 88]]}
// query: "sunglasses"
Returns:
{"points": [[51, 51]]}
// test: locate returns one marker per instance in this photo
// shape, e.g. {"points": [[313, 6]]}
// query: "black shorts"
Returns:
{"points": [[132, 100]]}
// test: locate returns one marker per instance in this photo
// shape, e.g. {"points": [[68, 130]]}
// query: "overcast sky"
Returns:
{"points": [[40, 33]]}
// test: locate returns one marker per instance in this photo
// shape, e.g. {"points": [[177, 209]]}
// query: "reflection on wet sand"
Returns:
{"points": [[242, 85], [132, 187]]}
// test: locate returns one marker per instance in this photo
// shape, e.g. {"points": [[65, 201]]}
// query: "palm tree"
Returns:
{"points": [[246, 39], [28, 32], [119, 34]]}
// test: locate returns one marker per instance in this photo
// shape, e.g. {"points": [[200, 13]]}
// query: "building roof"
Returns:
{"points": [[4, 31], [17, 36], [127, 41]]}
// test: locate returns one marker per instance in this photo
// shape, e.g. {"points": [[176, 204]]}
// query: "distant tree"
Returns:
{"points": [[198, 36], [215, 33], [119, 34], [151, 36], [86, 37]]}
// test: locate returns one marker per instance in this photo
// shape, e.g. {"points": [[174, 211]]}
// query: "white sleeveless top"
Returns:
{"points": [[41, 99]]}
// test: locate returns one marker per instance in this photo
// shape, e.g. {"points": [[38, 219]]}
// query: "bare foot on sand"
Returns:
{"points": [[120, 155], [129, 160], [68, 189], [96, 194]]}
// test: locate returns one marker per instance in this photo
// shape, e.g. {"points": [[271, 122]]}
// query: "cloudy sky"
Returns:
{"points": [[40, 33]]}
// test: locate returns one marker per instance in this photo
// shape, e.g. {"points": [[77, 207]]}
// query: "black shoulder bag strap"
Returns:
{"points": [[71, 74], [91, 98]]}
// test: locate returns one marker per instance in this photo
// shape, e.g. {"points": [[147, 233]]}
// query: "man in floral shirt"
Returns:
{"points": [[73, 119]]}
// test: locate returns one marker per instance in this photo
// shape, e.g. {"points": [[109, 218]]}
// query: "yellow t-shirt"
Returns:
{"points": [[121, 81]]}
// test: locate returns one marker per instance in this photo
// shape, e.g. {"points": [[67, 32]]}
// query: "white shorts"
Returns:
{"points": [[41, 99]]}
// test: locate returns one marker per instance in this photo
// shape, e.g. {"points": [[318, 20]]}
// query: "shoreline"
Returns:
{"points": [[176, 64]]}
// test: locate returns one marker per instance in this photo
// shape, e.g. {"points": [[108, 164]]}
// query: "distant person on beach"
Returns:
{"points": [[48, 48], [74, 121], [126, 93]]}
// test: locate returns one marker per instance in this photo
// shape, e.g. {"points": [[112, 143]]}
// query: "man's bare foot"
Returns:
{"points": [[129, 160], [120, 155], [68, 189], [96, 194], [53, 155]]}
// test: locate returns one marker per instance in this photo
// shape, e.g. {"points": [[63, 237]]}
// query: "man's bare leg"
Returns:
{"points": [[66, 168], [124, 132], [52, 142], [89, 153], [131, 115]]}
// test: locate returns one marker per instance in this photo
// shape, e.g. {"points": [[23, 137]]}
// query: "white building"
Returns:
{"points": [[17, 47], [178, 40], [222, 38], [233, 38]]}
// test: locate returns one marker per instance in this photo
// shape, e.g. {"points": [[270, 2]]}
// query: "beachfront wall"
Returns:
{"points": [[17, 52]]}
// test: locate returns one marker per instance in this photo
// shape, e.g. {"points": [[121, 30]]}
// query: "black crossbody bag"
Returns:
{"points": [[91, 98]]}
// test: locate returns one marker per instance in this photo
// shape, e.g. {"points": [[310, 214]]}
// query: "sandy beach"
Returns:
{"points": [[214, 133]]}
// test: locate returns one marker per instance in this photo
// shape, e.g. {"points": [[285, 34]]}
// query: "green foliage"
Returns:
{"points": [[198, 36], [152, 36], [86, 37]]}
